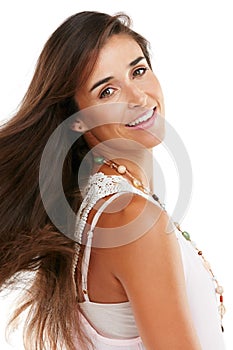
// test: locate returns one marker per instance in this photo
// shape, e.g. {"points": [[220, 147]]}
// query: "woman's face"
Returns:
{"points": [[122, 97]]}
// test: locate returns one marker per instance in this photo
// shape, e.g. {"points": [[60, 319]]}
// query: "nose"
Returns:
{"points": [[136, 97]]}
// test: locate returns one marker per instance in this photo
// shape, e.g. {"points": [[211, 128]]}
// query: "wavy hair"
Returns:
{"points": [[33, 252]]}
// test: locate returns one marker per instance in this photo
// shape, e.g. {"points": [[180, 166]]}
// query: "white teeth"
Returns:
{"points": [[145, 117]]}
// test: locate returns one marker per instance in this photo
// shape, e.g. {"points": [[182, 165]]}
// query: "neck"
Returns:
{"points": [[138, 163]]}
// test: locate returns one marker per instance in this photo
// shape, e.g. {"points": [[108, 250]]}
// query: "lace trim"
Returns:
{"points": [[99, 186]]}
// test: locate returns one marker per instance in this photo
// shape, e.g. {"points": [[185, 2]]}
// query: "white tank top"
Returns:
{"points": [[111, 326]]}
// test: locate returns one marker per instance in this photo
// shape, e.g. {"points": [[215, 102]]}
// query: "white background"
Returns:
{"points": [[192, 57]]}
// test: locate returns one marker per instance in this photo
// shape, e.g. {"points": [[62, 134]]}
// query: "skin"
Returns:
{"points": [[132, 91], [148, 272]]}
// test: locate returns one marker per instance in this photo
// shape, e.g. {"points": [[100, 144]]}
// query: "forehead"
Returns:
{"points": [[116, 43], [119, 50]]}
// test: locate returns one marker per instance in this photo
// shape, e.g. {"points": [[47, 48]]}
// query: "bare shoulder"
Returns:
{"points": [[151, 231], [130, 207], [141, 229], [150, 270]]}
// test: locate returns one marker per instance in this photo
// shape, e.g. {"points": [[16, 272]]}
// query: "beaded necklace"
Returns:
{"points": [[122, 170]]}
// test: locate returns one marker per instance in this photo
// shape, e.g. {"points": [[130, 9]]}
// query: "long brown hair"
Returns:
{"points": [[29, 241]]}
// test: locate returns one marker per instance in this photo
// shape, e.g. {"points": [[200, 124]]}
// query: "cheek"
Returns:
{"points": [[106, 131], [80, 100], [105, 116], [156, 86], [157, 94]]}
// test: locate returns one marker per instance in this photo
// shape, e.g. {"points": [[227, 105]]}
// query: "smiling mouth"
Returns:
{"points": [[145, 117]]}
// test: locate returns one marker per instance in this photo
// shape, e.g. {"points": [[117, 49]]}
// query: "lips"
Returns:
{"points": [[143, 119]]}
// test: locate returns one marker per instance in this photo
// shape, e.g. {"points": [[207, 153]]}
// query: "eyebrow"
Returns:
{"points": [[105, 80], [136, 61]]}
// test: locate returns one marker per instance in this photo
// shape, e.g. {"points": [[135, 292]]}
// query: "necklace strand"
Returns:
{"points": [[122, 170]]}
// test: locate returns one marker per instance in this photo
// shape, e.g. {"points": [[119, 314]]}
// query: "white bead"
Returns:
{"points": [[221, 309], [219, 289], [137, 183], [121, 169], [194, 244], [207, 265]]}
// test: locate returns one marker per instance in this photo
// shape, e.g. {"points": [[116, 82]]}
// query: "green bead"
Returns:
{"points": [[186, 235], [99, 160]]}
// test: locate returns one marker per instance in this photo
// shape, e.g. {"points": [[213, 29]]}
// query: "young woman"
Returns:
{"points": [[120, 275]]}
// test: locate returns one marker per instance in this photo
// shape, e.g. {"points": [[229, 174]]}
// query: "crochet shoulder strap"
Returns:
{"points": [[99, 186]]}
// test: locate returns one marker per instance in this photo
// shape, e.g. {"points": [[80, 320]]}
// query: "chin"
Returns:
{"points": [[152, 140], [153, 143]]}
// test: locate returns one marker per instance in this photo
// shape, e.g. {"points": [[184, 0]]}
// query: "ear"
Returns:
{"points": [[79, 126]]}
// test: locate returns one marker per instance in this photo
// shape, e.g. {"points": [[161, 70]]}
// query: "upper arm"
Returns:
{"points": [[151, 273]]}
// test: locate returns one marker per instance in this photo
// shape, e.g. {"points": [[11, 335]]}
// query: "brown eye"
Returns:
{"points": [[106, 93], [140, 71]]}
